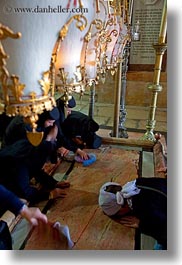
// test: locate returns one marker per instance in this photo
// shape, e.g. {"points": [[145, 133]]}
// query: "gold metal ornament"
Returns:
{"points": [[5, 32], [34, 137], [75, 85], [45, 83], [98, 24]]}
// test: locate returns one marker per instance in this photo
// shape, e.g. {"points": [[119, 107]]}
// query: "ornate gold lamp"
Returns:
{"points": [[99, 42], [66, 54], [69, 71], [98, 46]]}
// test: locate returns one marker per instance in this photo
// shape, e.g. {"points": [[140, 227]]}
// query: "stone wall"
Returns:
{"points": [[137, 93]]}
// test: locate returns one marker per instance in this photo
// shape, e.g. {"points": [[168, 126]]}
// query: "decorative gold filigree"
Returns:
{"points": [[104, 38], [33, 95], [81, 23], [16, 88], [98, 23], [31, 106], [75, 3], [66, 97], [4, 72], [74, 84], [5, 32], [45, 83], [52, 75], [80, 3]]}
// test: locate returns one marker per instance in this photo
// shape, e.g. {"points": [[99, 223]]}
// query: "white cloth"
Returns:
{"points": [[128, 190], [64, 231], [111, 203], [107, 200]]}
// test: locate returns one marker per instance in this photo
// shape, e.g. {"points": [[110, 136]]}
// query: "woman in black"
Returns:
{"points": [[144, 198]]}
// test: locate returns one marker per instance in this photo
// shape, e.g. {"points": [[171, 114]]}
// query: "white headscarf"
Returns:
{"points": [[111, 203]]}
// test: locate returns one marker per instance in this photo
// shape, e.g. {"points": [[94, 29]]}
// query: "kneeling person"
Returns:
{"points": [[144, 198]]}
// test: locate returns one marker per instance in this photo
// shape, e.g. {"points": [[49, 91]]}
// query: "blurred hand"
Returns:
{"points": [[130, 221], [57, 193], [82, 154], [33, 215], [63, 184], [63, 151]]}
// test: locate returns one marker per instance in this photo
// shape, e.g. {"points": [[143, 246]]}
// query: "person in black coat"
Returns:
{"points": [[4, 122], [79, 132], [22, 161], [61, 107], [144, 198]]}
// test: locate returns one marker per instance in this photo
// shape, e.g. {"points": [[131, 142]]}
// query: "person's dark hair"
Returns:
{"points": [[113, 188], [48, 115]]}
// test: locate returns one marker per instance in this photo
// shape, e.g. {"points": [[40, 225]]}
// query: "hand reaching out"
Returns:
{"points": [[130, 221], [63, 151], [57, 193], [33, 215], [82, 154]]}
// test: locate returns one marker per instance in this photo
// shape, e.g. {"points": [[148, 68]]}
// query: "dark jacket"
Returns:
{"points": [[60, 105], [9, 201], [150, 206], [79, 124], [4, 122], [21, 161], [15, 131]]}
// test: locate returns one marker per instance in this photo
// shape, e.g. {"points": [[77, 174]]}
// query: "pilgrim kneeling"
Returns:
{"points": [[145, 199]]}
